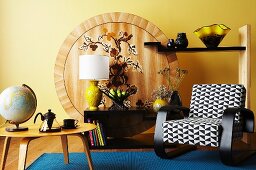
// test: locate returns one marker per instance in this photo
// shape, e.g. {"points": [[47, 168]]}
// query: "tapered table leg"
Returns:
{"points": [[86, 149], [5, 152], [64, 141], [23, 152]]}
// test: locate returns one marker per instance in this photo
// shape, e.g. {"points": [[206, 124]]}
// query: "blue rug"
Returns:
{"points": [[136, 161]]}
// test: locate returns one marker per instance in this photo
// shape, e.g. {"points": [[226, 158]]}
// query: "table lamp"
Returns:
{"points": [[93, 68]]}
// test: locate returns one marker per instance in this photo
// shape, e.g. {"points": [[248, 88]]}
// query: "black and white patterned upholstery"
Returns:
{"points": [[210, 100], [203, 126], [194, 131]]}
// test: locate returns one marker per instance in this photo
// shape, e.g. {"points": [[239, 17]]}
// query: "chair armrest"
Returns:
{"points": [[229, 116], [226, 142], [169, 111], [227, 124], [248, 120], [175, 109]]}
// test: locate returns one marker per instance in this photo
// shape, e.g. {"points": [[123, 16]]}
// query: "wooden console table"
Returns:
{"points": [[34, 133], [124, 127]]}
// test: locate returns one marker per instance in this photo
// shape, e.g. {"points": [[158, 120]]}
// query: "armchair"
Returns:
{"points": [[217, 117]]}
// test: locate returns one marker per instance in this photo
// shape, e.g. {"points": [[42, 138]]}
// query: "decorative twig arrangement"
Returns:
{"points": [[173, 82], [164, 92]]}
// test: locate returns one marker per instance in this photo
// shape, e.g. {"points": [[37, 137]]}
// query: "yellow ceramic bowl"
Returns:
{"points": [[212, 35]]}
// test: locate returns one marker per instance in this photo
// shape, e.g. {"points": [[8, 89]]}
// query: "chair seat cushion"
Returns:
{"points": [[197, 131], [193, 131]]}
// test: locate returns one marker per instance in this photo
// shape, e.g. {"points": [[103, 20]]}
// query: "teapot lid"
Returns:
{"points": [[49, 114]]}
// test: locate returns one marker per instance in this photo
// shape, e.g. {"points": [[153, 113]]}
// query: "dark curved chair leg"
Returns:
{"points": [[159, 143], [225, 148], [158, 136]]}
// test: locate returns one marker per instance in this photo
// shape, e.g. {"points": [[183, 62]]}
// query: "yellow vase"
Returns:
{"points": [[93, 95], [158, 103]]}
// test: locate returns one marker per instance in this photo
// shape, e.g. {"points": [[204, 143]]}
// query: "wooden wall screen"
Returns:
{"points": [[101, 35]]}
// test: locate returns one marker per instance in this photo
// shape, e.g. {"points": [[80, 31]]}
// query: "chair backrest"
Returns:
{"points": [[210, 100]]}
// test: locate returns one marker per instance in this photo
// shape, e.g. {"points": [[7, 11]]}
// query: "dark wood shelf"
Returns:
{"points": [[124, 128], [106, 113], [139, 141], [161, 48]]}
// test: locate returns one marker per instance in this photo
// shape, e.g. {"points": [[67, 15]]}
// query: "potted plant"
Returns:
{"points": [[160, 97]]}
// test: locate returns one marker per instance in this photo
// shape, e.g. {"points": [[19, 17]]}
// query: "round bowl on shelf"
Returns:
{"points": [[118, 96], [212, 35]]}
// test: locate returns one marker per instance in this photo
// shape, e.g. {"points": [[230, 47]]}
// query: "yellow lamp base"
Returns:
{"points": [[93, 95], [93, 108]]}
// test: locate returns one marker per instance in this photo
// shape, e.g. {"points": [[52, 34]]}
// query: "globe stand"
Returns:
{"points": [[16, 129]]}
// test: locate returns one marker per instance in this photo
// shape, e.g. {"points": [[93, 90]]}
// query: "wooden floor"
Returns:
{"points": [[43, 145]]}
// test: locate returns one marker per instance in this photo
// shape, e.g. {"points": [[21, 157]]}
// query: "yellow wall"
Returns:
{"points": [[32, 31]]}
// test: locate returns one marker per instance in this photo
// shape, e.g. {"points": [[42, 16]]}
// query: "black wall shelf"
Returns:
{"points": [[161, 48]]}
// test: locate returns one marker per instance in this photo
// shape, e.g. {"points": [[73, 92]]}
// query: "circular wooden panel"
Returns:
{"points": [[121, 36]]}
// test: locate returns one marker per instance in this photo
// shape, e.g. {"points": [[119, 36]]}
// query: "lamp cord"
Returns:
{"points": [[3, 123]]}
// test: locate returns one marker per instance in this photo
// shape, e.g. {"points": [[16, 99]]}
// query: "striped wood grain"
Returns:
{"points": [[70, 89]]}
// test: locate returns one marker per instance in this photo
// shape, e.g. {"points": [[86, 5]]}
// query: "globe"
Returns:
{"points": [[17, 105]]}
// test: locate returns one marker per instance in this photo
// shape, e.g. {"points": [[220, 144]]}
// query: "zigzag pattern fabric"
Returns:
{"points": [[210, 100], [193, 131], [203, 126]]}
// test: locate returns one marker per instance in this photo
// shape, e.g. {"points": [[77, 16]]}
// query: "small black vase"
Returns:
{"points": [[175, 99], [171, 43], [181, 41]]}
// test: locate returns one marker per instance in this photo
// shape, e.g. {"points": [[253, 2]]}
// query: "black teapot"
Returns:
{"points": [[49, 123]]}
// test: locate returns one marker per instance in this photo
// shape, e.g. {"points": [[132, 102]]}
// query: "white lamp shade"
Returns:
{"points": [[93, 67]]}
